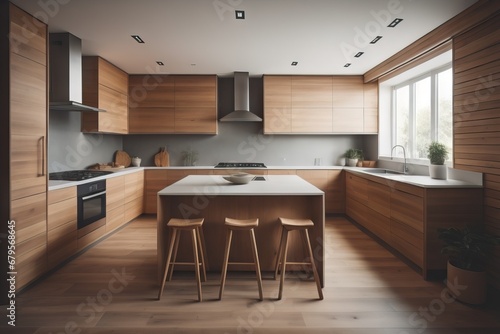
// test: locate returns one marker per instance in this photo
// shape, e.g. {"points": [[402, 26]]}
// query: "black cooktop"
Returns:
{"points": [[240, 165], [77, 175]]}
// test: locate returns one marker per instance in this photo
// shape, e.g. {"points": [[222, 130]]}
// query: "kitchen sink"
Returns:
{"points": [[382, 171]]}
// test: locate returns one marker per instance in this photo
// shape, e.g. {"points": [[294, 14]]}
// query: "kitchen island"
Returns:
{"points": [[214, 198]]}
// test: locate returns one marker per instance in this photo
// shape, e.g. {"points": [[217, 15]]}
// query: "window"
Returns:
{"points": [[422, 112]]}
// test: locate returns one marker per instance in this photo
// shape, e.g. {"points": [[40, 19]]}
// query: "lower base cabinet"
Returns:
{"points": [[61, 225], [407, 217]]}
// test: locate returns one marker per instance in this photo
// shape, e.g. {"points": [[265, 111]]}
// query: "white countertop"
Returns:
{"points": [[216, 185]]}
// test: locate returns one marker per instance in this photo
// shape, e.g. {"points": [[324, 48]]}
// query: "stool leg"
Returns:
{"points": [[174, 256], [278, 258], [171, 247], [313, 265], [196, 263], [203, 254], [283, 262], [229, 236], [257, 263]]}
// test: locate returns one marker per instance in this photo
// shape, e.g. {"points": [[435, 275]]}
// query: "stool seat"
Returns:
{"points": [[241, 224], [193, 226], [301, 225], [185, 223], [296, 224]]}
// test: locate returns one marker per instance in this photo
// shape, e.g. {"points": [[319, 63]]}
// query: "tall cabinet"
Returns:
{"points": [[24, 128]]}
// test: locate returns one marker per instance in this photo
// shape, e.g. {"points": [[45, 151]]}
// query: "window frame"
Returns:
{"points": [[434, 117]]}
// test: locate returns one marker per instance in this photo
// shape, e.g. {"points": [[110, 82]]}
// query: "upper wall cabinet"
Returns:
{"points": [[173, 104], [105, 86], [319, 105]]}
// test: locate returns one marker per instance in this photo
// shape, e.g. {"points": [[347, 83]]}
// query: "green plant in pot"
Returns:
{"points": [[352, 156], [468, 250], [437, 154]]}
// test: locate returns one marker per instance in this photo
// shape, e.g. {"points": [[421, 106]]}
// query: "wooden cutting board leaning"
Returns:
{"points": [[162, 158], [122, 158]]}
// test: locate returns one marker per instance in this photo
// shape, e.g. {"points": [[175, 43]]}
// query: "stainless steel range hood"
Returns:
{"points": [[65, 51], [241, 111]]}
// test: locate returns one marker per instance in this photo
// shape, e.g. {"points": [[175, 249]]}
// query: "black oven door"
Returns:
{"points": [[91, 207]]}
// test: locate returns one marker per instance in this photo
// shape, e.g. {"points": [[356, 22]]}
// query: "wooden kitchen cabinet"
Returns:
{"points": [[319, 104], [115, 202], [154, 181], [331, 182], [407, 216], [24, 129], [105, 86], [151, 104], [134, 195], [61, 225], [173, 104]]}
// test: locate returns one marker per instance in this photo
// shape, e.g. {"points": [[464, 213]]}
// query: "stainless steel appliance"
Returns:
{"points": [[91, 202], [240, 165]]}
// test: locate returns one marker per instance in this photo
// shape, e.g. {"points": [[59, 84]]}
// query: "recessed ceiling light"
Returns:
{"points": [[359, 54], [347, 65], [295, 63], [376, 39], [394, 23], [160, 63], [240, 14], [137, 38]]}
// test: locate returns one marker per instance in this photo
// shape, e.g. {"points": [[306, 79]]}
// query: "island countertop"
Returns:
{"points": [[213, 185]]}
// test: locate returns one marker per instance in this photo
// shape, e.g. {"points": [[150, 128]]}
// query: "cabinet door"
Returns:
{"points": [[134, 195], [312, 92], [115, 202], [347, 91], [32, 43], [151, 104], [370, 108], [347, 120], [196, 104], [335, 192], [114, 120], [313, 120], [154, 181], [277, 104]]}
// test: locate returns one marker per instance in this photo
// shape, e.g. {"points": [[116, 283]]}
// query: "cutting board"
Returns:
{"points": [[122, 158], [162, 158]]}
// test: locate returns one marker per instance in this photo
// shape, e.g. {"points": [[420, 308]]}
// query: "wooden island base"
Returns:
{"points": [[215, 207]]}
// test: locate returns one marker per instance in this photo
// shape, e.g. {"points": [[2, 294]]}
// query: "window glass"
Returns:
{"points": [[423, 117]]}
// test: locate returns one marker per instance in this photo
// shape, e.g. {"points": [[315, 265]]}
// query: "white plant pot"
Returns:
{"points": [[352, 162], [342, 162], [439, 172], [136, 162]]}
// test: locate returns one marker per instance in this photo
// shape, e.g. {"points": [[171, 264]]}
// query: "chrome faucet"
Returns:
{"points": [[405, 168]]}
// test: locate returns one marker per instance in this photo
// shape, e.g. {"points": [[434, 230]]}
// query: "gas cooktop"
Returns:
{"points": [[240, 165], [77, 175]]}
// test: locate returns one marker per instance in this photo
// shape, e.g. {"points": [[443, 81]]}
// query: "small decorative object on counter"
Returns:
{"points": [[136, 161], [352, 156], [190, 157], [162, 158], [437, 154]]}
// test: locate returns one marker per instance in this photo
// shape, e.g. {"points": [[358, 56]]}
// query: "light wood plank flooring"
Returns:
{"points": [[111, 288]]}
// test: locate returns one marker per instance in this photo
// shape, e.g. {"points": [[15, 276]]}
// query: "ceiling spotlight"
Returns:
{"points": [[295, 63], [347, 65], [138, 38], [376, 39], [359, 54], [160, 63], [394, 23], [240, 14]]}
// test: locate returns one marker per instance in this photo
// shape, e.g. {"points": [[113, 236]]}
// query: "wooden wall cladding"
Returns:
{"points": [[476, 116]]}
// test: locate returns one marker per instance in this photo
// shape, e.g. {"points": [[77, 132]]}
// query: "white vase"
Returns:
{"points": [[136, 162], [439, 172], [352, 162]]}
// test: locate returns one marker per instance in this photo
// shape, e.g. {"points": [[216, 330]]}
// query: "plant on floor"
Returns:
{"points": [[468, 250]]}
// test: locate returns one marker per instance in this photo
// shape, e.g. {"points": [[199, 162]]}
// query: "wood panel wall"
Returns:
{"points": [[477, 116]]}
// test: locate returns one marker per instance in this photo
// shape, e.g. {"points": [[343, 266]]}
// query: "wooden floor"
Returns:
{"points": [[112, 288]]}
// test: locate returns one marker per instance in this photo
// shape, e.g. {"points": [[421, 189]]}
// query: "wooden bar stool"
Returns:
{"points": [[301, 225], [193, 226], [241, 225]]}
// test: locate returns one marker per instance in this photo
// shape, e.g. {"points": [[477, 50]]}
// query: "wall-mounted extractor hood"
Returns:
{"points": [[241, 111], [65, 51]]}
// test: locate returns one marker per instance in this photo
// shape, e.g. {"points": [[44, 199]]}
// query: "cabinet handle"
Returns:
{"points": [[42, 140]]}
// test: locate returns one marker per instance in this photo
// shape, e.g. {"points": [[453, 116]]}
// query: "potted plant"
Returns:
{"points": [[467, 249], [437, 154], [352, 155]]}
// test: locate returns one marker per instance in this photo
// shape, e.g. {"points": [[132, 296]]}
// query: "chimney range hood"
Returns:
{"points": [[65, 54], [241, 111]]}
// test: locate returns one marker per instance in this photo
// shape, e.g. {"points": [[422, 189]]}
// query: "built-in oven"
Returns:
{"points": [[91, 202]]}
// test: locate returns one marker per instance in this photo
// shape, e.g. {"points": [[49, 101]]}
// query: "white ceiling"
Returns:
{"points": [[203, 36]]}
